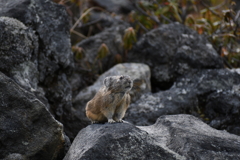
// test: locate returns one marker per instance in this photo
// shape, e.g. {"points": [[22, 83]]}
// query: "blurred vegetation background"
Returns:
{"points": [[219, 20]]}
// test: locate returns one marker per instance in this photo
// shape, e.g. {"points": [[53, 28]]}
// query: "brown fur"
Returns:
{"points": [[111, 101]]}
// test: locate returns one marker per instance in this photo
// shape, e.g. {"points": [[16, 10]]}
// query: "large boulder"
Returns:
{"points": [[172, 50], [17, 44], [27, 129], [50, 22], [171, 137], [37, 61], [212, 95], [50, 51], [18, 49]]}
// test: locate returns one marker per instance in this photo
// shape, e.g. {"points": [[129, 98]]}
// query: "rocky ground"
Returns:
{"points": [[185, 103], [175, 137]]}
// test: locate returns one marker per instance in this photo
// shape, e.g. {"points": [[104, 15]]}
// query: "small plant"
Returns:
{"points": [[78, 52], [103, 51], [129, 38]]}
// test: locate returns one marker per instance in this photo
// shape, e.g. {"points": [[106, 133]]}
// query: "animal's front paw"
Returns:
{"points": [[95, 122], [120, 121], [111, 121]]}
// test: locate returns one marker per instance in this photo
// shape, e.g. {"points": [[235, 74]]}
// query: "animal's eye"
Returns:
{"points": [[121, 78]]}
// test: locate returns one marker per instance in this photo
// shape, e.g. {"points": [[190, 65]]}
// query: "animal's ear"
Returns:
{"points": [[106, 81]]}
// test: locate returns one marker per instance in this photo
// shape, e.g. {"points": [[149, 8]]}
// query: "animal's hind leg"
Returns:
{"points": [[95, 118]]}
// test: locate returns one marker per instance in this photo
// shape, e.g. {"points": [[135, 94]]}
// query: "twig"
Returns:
{"points": [[236, 22], [63, 1], [142, 26], [235, 59], [91, 23], [165, 18], [226, 63], [154, 18], [79, 34], [84, 14], [220, 5], [90, 31], [80, 18], [210, 9], [82, 6]]}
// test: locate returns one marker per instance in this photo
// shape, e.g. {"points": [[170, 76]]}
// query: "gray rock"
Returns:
{"points": [[171, 137], [193, 139], [26, 74], [50, 52], [26, 127], [18, 49], [173, 50], [116, 141], [36, 54], [190, 94], [223, 111], [79, 81], [123, 6], [50, 21], [15, 156], [211, 80], [150, 106], [17, 44]]}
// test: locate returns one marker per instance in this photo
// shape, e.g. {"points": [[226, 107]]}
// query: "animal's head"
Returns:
{"points": [[122, 83]]}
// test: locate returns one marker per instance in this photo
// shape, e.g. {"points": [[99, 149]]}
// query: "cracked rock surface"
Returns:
{"points": [[178, 137]]}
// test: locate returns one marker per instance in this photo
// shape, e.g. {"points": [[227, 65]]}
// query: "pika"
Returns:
{"points": [[111, 101]]}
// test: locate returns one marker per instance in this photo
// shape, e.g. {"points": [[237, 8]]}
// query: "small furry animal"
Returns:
{"points": [[111, 101]]}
